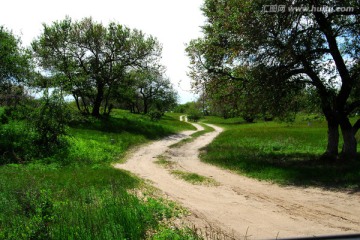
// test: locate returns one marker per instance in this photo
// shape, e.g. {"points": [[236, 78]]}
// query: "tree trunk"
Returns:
{"points": [[350, 143], [77, 101], [98, 100], [145, 106], [332, 149]]}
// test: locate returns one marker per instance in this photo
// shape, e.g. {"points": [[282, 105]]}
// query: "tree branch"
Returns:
{"points": [[356, 126], [352, 106], [325, 27]]}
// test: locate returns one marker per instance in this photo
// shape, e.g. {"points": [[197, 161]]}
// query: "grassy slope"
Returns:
{"points": [[279, 152], [81, 196], [101, 141]]}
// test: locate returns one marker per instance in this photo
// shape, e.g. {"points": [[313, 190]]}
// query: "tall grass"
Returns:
{"points": [[280, 152], [42, 203], [105, 141], [76, 194]]}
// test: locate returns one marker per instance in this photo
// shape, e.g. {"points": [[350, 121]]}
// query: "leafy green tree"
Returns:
{"points": [[89, 60], [287, 51], [15, 67], [147, 89]]}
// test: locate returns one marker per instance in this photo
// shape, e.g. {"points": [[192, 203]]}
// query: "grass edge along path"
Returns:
{"points": [[193, 136]]}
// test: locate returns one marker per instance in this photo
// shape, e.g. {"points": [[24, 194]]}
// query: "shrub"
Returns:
{"points": [[155, 115], [194, 117], [15, 143], [49, 122]]}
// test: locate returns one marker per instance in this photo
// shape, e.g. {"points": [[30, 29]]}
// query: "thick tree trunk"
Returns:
{"points": [[98, 100], [350, 143], [333, 141]]}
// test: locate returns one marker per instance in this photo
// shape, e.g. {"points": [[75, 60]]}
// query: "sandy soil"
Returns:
{"points": [[240, 207]]}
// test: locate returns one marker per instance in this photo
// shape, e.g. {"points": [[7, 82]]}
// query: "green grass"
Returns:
{"points": [[101, 141], [194, 178], [163, 161], [67, 203], [76, 194], [280, 152], [193, 136]]}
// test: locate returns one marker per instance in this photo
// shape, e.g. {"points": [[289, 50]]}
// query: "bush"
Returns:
{"points": [[15, 143], [49, 122], [34, 130], [194, 114], [155, 115]]}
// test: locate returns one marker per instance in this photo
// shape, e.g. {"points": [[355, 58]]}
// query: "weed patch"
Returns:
{"points": [[165, 162], [194, 178]]}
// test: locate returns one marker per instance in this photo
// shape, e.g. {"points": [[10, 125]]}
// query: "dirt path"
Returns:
{"points": [[243, 207]]}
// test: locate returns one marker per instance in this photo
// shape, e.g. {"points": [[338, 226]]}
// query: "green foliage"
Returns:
{"points": [[147, 90], [279, 152], [16, 145], [35, 130], [193, 114], [102, 141], [72, 192], [14, 61], [49, 121], [88, 140], [181, 108], [176, 234], [89, 60], [44, 203], [155, 115], [87, 198], [251, 61]]}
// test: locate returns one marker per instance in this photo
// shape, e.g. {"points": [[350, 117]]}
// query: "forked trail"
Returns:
{"points": [[241, 207]]}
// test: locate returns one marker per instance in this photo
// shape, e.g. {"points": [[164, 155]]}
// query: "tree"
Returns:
{"points": [[88, 60], [289, 50], [15, 68], [145, 90]]}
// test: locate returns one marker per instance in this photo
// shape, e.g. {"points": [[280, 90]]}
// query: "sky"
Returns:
{"points": [[173, 22]]}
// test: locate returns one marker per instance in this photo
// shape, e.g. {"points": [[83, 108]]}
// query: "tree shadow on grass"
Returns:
{"points": [[297, 169], [151, 130]]}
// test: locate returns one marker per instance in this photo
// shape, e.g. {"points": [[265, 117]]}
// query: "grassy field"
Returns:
{"points": [[285, 153], [78, 195]]}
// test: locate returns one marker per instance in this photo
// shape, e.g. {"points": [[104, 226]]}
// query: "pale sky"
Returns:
{"points": [[173, 22]]}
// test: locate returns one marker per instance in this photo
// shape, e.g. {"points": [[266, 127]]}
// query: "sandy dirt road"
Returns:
{"points": [[240, 207]]}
